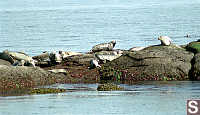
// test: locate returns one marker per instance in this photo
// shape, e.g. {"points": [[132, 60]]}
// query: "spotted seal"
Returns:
{"points": [[104, 46], [165, 40]]}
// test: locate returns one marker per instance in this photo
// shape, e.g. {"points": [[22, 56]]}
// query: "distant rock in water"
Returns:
{"points": [[104, 47]]}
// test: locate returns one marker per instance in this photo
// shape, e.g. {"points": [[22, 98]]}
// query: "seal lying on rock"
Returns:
{"points": [[104, 46], [19, 63], [6, 57], [67, 54], [93, 64], [108, 55], [55, 57], [136, 48], [42, 57], [18, 56], [165, 40], [114, 52], [105, 58], [58, 71]]}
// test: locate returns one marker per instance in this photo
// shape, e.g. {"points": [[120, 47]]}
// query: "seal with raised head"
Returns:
{"points": [[104, 46], [165, 40]]}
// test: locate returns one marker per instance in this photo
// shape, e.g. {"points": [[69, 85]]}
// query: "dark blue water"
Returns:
{"points": [[148, 98], [34, 26]]}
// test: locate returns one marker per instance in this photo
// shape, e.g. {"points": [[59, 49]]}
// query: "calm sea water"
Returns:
{"points": [[149, 98], [34, 26]]}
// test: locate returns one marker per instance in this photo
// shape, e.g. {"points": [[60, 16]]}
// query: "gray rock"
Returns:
{"points": [[4, 62], [36, 74], [155, 63]]}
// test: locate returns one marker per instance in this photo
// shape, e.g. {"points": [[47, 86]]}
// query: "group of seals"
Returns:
{"points": [[18, 58], [104, 52]]}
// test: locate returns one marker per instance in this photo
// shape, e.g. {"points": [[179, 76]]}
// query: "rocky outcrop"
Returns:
{"points": [[152, 63], [4, 62], [195, 73], [19, 77]]}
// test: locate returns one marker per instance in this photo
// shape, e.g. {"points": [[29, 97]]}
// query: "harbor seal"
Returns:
{"points": [[55, 57], [135, 49], [165, 40], [67, 54], [18, 56], [104, 46], [19, 63], [42, 57], [94, 64], [105, 58], [58, 71]]}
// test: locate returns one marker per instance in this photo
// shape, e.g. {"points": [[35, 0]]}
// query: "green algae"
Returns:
{"points": [[109, 87], [108, 74], [193, 47]]}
